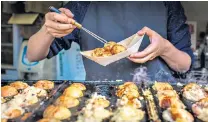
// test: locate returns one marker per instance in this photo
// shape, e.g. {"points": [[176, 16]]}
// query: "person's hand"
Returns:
{"points": [[156, 48], [59, 25]]}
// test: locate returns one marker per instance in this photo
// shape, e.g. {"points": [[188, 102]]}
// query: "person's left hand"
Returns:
{"points": [[156, 48]]}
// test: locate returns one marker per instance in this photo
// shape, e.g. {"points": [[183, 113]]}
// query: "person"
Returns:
{"points": [[202, 48], [164, 24]]}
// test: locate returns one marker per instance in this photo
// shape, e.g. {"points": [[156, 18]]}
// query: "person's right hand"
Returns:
{"points": [[59, 25]]}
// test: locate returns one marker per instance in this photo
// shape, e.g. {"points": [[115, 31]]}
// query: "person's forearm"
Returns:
{"points": [[39, 44], [176, 59]]}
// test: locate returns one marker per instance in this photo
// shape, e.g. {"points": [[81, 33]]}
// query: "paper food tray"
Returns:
{"points": [[132, 44]]}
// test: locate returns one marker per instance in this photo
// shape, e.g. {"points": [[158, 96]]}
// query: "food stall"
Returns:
{"points": [[98, 101], [140, 99]]}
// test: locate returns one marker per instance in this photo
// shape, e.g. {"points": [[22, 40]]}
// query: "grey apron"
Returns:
{"points": [[116, 21]]}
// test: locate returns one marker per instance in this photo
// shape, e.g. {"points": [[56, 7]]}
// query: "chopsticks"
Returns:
{"points": [[53, 9], [94, 35]]}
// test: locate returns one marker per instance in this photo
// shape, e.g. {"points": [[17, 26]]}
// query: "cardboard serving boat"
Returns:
{"points": [[132, 44]]}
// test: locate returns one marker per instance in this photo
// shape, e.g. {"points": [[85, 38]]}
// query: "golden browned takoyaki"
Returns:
{"points": [[162, 86], [109, 49], [129, 93], [8, 91], [128, 89], [128, 85], [56, 112], [12, 112], [166, 102], [169, 93], [19, 85], [177, 115], [44, 84], [194, 92], [73, 91], [98, 52], [117, 49], [108, 46], [101, 102], [129, 102], [106, 54], [67, 101], [79, 85]]}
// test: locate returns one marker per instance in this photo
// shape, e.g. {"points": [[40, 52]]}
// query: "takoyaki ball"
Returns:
{"points": [[177, 115], [131, 102], [79, 85], [73, 92], [101, 102], [194, 92], [44, 84], [128, 88], [117, 49], [129, 85], [106, 54], [108, 46], [190, 86], [166, 102], [13, 113], [67, 102], [162, 86], [49, 120], [169, 93], [129, 93], [19, 85], [32, 100], [99, 114], [200, 109], [98, 52], [8, 91], [135, 103], [127, 114], [132, 94], [42, 93], [57, 112]]}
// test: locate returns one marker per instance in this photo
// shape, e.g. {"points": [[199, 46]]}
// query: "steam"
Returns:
{"points": [[198, 76], [164, 76], [140, 75]]}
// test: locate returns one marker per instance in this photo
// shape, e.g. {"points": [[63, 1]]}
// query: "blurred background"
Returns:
{"points": [[20, 20]]}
